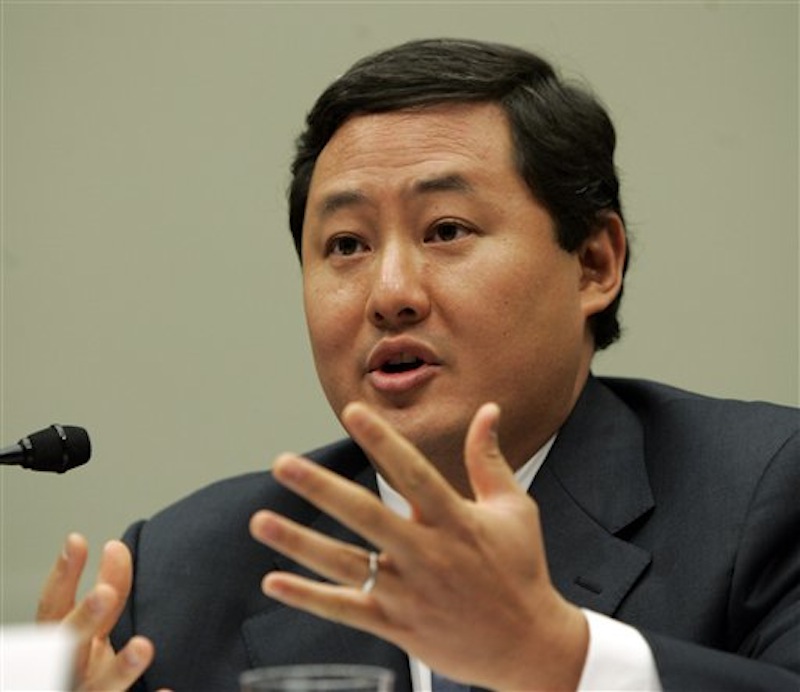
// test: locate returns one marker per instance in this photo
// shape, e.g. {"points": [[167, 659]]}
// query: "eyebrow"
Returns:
{"points": [[445, 183], [339, 200], [348, 198]]}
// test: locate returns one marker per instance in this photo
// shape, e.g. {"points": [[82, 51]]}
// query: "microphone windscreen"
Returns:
{"points": [[59, 448]]}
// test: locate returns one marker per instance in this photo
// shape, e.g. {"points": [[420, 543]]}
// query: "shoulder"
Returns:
{"points": [[670, 410], [223, 508], [701, 446], [658, 394]]}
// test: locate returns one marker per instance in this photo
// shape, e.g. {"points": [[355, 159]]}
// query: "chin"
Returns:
{"points": [[435, 438], [428, 425]]}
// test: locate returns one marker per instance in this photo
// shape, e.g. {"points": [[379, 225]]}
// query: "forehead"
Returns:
{"points": [[399, 148]]}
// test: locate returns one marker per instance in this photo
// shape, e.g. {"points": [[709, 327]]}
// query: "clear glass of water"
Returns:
{"points": [[318, 678]]}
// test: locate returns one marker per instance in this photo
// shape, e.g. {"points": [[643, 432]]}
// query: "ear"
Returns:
{"points": [[602, 259]]}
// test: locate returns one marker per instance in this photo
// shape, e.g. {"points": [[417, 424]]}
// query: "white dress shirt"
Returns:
{"points": [[618, 658]]}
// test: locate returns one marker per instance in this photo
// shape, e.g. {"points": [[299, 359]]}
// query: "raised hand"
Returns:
{"points": [[98, 666], [463, 584]]}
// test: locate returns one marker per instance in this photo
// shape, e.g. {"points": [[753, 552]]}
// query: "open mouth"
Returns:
{"points": [[402, 364], [396, 369]]}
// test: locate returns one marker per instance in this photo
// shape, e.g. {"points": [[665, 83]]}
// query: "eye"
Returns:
{"points": [[447, 232], [344, 246]]}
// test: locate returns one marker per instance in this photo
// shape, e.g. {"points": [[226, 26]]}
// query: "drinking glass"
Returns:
{"points": [[318, 678]]}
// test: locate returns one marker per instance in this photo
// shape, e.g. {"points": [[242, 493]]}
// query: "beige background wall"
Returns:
{"points": [[149, 287]]}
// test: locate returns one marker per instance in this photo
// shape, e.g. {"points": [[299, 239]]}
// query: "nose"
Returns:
{"points": [[398, 294]]}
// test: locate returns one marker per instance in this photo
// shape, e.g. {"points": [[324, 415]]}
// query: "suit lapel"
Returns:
{"points": [[592, 488], [279, 635]]}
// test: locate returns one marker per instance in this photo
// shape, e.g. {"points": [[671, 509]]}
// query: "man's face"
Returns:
{"points": [[433, 281]]}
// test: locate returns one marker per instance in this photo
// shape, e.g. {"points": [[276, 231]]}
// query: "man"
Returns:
{"points": [[499, 517]]}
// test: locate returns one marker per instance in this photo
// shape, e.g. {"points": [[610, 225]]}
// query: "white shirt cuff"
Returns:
{"points": [[619, 657]]}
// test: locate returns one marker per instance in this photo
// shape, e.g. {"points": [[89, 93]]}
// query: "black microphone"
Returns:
{"points": [[58, 448]]}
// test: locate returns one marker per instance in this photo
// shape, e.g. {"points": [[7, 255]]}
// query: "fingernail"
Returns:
{"points": [[493, 428], [96, 604], [271, 587], [288, 468], [66, 550], [132, 659], [269, 527]]}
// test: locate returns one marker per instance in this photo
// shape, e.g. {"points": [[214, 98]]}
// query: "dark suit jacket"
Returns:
{"points": [[676, 513]]}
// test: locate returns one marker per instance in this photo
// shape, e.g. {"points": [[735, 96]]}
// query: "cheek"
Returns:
{"points": [[328, 347], [331, 319], [538, 303]]}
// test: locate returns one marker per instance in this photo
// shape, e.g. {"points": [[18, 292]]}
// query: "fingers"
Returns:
{"points": [[125, 668], [88, 617], [105, 670], [329, 558], [413, 476], [99, 668], [353, 506], [116, 570], [116, 567], [433, 499], [336, 603], [58, 595], [488, 470]]}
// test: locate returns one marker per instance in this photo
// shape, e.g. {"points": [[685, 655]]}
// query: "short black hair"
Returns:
{"points": [[563, 137]]}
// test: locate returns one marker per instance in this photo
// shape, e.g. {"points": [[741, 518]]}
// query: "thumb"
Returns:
{"points": [[488, 470]]}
